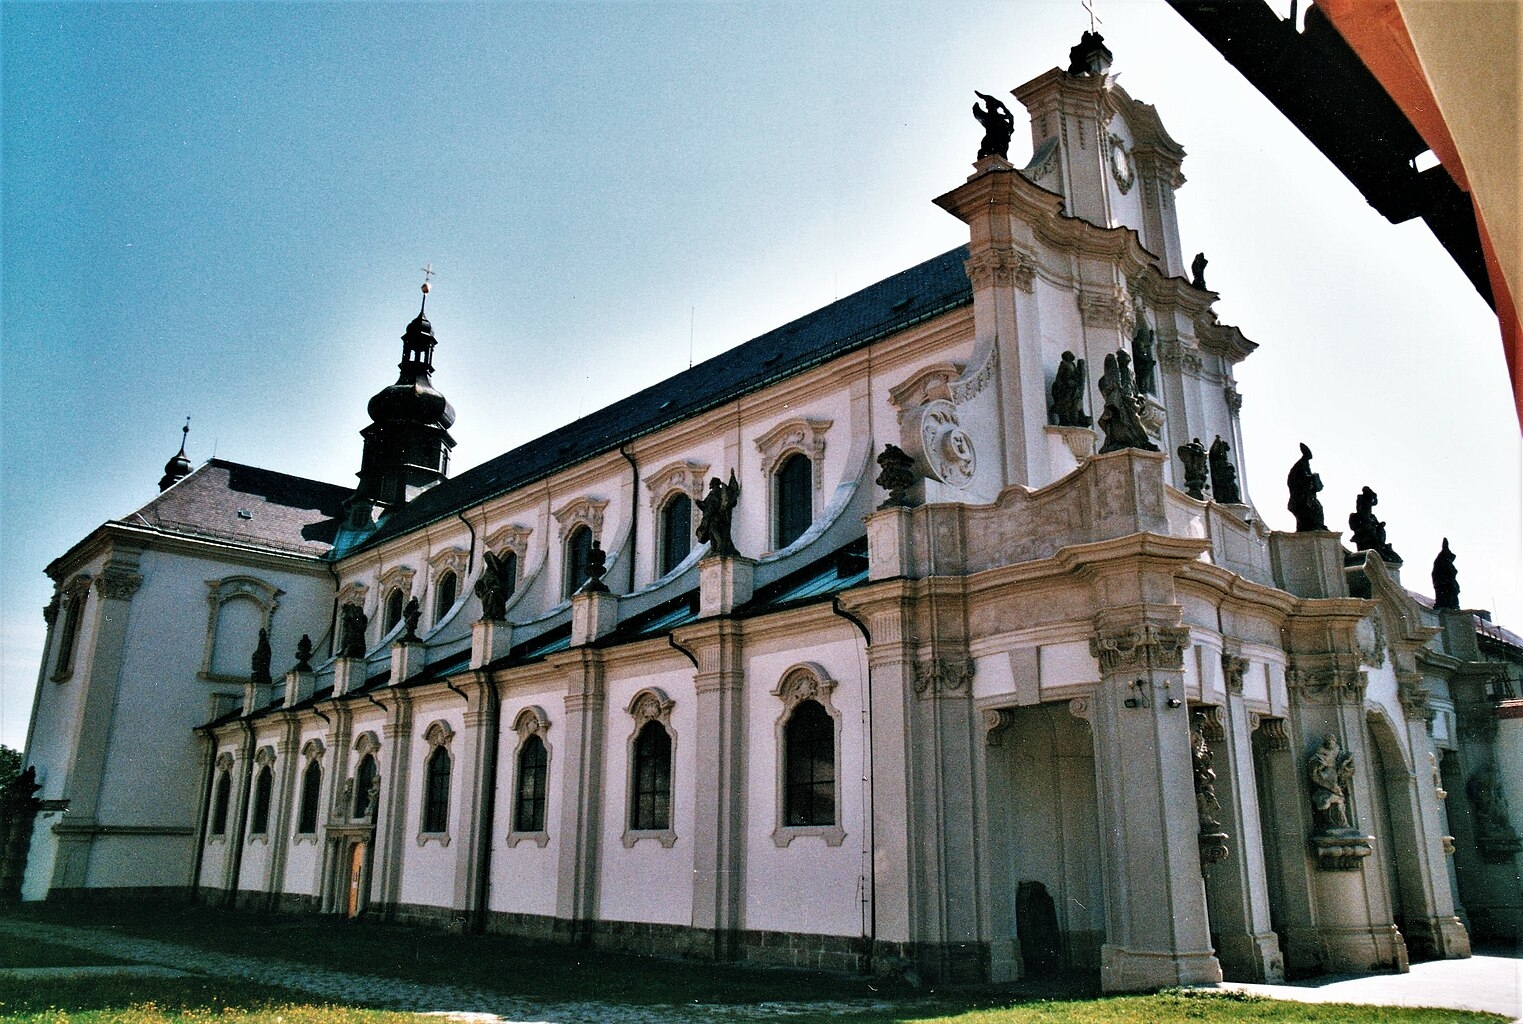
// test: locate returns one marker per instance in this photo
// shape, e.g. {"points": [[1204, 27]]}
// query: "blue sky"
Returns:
{"points": [[220, 210]]}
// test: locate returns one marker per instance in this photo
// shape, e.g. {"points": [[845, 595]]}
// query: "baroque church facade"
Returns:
{"points": [[893, 636]]}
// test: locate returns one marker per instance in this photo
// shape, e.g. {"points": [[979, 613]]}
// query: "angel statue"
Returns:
{"points": [[494, 586], [717, 508], [999, 125]]}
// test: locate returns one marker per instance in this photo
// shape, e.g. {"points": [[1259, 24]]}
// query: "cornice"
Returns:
{"points": [[115, 534]]}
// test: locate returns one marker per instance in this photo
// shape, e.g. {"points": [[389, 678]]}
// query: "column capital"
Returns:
{"points": [[1140, 647], [118, 582]]}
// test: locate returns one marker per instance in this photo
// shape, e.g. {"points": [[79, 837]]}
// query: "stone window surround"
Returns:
{"points": [[650, 704], [805, 436], [436, 736], [224, 766], [75, 594], [582, 511], [264, 758], [805, 681], [218, 593], [515, 538], [365, 743], [531, 721], [452, 559], [681, 477], [397, 578], [312, 750]]}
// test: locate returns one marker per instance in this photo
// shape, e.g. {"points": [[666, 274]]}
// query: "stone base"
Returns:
{"points": [[594, 614], [724, 584], [489, 641], [1341, 851], [1253, 958], [1309, 564], [1436, 938], [407, 660], [348, 674], [1363, 950], [1126, 970], [887, 543]]}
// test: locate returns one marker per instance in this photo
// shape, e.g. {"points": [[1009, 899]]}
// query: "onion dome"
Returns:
{"points": [[177, 468]]}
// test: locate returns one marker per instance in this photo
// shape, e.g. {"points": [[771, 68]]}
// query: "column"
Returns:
{"points": [[389, 845], [477, 759], [576, 894]]}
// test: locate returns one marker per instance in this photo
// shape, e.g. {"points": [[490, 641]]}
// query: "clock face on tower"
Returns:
{"points": [[1121, 164]]}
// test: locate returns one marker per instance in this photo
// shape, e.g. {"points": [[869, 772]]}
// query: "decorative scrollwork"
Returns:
{"points": [[1140, 647]]}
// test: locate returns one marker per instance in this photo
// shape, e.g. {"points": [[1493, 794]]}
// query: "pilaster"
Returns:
{"points": [[390, 846], [576, 890], [719, 827], [287, 754], [476, 759]]}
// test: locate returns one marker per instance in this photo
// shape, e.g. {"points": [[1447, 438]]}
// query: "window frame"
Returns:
{"points": [[222, 799], [235, 588], [803, 683], [665, 564], [261, 795], [366, 746], [530, 724], [446, 586], [781, 506], [438, 738], [570, 579], [803, 435], [650, 707], [312, 751], [71, 613]]}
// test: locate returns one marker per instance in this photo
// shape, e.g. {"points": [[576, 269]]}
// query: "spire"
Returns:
{"points": [[407, 444], [177, 468]]}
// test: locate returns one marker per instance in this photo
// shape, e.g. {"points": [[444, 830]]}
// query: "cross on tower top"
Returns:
{"points": [[1094, 19]]}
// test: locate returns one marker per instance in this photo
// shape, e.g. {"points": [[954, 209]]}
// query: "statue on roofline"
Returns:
{"points": [[597, 568], [351, 636], [1194, 457], [1198, 270], [1223, 474], [1446, 579], [259, 664], [304, 654], [1369, 532], [1304, 485], [999, 125], [411, 614], [1122, 420], [493, 587], [1068, 386], [897, 477], [717, 509]]}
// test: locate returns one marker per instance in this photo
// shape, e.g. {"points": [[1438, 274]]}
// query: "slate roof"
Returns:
{"points": [[228, 501], [848, 324]]}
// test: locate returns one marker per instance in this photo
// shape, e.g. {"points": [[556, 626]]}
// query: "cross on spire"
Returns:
{"points": [[1094, 19], [428, 272]]}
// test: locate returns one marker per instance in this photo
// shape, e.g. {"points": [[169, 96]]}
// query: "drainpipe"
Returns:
{"points": [[634, 512], [872, 798], [470, 555]]}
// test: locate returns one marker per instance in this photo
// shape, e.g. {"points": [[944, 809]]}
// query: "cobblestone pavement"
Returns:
{"points": [[477, 1005]]}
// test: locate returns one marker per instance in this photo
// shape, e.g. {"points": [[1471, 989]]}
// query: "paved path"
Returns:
{"points": [[1491, 983], [454, 1001]]}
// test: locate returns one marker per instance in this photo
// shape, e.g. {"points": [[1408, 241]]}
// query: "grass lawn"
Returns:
{"points": [[48, 954]]}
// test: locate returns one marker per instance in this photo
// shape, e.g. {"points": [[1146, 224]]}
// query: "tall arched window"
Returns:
{"points": [[364, 782], [220, 800], [529, 807], [809, 795], [68, 633], [793, 505], [311, 789], [676, 531], [651, 808], [510, 570], [444, 594], [436, 791], [259, 813], [394, 603], [578, 549]]}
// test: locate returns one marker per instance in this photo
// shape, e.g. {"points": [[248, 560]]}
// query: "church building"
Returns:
{"points": [[935, 628]]}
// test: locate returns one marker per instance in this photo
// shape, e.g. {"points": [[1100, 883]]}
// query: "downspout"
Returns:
{"points": [[488, 809], [672, 640], [209, 755], [634, 512], [470, 555], [872, 796], [246, 788]]}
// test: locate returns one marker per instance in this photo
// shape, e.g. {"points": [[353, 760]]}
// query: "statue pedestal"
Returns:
{"points": [[348, 673], [1309, 564], [407, 660], [594, 614], [1341, 850], [490, 640], [888, 532], [299, 686], [1068, 447], [255, 696], [724, 583]]}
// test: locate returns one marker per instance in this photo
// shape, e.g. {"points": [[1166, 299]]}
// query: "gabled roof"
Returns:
{"points": [[228, 501], [875, 312]]}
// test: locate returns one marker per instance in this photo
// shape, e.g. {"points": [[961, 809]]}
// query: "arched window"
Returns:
{"points": [[436, 791], [651, 808], [793, 504], [809, 795], [578, 549], [73, 614], [220, 801], [259, 814], [529, 807], [311, 789], [510, 570], [444, 594], [364, 782], [676, 531], [394, 602]]}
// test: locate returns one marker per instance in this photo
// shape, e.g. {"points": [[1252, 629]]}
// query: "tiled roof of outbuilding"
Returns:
{"points": [[875, 312], [229, 501]]}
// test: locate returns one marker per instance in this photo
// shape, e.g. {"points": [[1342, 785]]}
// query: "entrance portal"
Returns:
{"points": [[356, 874]]}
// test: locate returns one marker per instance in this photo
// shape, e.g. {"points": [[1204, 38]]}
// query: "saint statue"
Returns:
{"points": [[1446, 579], [1304, 485], [999, 125], [1068, 386], [1198, 270], [1121, 420], [411, 614], [259, 664], [351, 635], [1193, 455], [1369, 532], [717, 509], [1223, 474], [1329, 771], [493, 586], [1142, 353], [597, 567]]}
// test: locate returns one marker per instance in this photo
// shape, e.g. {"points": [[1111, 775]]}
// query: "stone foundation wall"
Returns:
{"points": [[128, 894]]}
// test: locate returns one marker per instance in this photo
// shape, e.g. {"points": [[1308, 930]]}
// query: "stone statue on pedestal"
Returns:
{"points": [[1143, 358], [999, 125], [717, 509], [1328, 771], [1198, 270], [351, 635], [1223, 474], [1068, 386], [1369, 532], [1193, 455], [597, 568], [493, 587], [897, 477], [1446, 579], [259, 664], [1121, 419], [411, 615], [304, 654], [1304, 485]]}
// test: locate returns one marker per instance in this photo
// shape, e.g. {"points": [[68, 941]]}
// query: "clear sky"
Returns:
{"points": [[220, 210]]}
